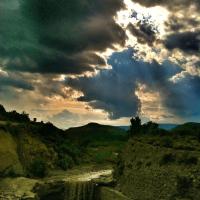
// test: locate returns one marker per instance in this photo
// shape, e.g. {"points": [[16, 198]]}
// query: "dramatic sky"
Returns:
{"points": [[75, 61]]}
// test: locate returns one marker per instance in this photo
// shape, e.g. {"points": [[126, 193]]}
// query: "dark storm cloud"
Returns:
{"points": [[49, 87], [114, 90], [16, 83], [57, 36], [177, 24], [75, 25], [9, 4], [197, 64], [53, 63], [172, 5], [47, 11], [143, 32], [188, 42], [182, 97], [181, 19], [63, 117], [61, 37]]}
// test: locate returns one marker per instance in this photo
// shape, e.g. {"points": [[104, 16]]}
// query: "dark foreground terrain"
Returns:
{"points": [[96, 162], [164, 165], [40, 161]]}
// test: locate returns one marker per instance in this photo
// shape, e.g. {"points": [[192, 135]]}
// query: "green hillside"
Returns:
{"points": [[190, 128], [101, 143], [94, 132], [33, 148], [157, 164]]}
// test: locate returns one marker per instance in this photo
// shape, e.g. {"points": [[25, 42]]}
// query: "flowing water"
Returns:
{"points": [[80, 191], [78, 184], [81, 186]]}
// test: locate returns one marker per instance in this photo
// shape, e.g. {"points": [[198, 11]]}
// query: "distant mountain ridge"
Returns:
{"points": [[163, 126], [25, 142], [168, 126], [189, 128], [94, 131]]}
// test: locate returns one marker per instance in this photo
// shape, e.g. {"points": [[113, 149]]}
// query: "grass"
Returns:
{"points": [[187, 159], [104, 152], [167, 142], [167, 158], [102, 157], [65, 162], [184, 185]]}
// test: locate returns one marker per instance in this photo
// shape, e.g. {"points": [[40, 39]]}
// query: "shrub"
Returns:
{"points": [[148, 164], [167, 159], [185, 147], [38, 168], [167, 142], [139, 164], [14, 130], [8, 173], [11, 173], [198, 136], [184, 185], [65, 162], [66, 148], [103, 156], [119, 168], [188, 160]]}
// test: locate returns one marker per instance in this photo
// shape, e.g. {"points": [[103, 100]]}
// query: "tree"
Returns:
{"points": [[2, 109], [147, 128], [135, 125]]}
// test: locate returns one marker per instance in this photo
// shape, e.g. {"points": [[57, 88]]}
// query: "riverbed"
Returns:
{"points": [[27, 188], [81, 183]]}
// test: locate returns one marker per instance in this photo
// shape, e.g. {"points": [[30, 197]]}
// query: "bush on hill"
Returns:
{"points": [[65, 162], [167, 142], [184, 184], [147, 128], [37, 168], [186, 159], [167, 158], [13, 116]]}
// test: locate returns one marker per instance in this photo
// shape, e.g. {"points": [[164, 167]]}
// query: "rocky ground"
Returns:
{"points": [[85, 183], [160, 167]]}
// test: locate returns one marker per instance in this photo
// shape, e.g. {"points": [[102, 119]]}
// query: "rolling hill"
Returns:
{"points": [[28, 143], [100, 143], [94, 132]]}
